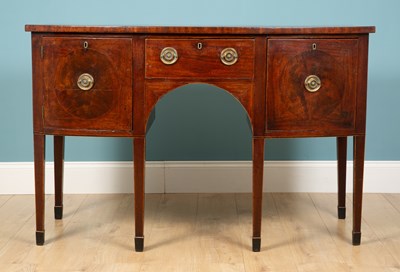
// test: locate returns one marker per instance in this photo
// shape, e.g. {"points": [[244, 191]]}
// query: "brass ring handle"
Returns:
{"points": [[312, 83], [85, 82], [229, 56], [169, 55]]}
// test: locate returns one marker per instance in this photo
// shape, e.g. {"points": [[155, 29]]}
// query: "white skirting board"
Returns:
{"points": [[200, 177]]}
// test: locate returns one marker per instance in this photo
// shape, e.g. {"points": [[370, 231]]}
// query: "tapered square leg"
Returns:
{"points": [[341, 146], [58, 176], [358, 176], [258, 170], [39, 160], [139, 146]]}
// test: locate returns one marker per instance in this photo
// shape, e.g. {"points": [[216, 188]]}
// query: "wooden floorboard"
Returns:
{"points": [[200, 232], [4, 199]]}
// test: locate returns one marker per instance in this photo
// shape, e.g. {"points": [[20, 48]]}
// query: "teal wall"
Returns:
{"points": [[186, 116]]}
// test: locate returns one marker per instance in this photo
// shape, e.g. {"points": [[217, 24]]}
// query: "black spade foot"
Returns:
{"points": [[139, 241], [58, 212], [40, 238], [341, 212], [356, 238], [256, 244]]}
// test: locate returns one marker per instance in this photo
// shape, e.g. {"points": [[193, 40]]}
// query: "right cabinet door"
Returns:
{"points": [[311, 86]]}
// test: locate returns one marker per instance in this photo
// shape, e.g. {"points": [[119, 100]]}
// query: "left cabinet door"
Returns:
{"points": [[87, 85]]}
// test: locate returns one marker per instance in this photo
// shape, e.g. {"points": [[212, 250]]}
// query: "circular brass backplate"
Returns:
{"points": [[312, 83], [229, 56], [169, 55], [85, 82]]}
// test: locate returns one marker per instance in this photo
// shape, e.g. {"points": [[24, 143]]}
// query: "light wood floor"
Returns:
{"points": [[200, 232]]}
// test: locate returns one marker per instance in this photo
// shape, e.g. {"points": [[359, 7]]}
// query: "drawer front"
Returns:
{"points": [[88, 83], [200, 58], [311, 85]]}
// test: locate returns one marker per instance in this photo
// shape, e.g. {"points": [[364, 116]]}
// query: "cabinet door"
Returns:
{"points": [[88, 84], [311, 86]]}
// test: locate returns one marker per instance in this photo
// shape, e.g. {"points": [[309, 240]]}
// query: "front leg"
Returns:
{"points": [[258, 170], [39, 165], [139, 149], [358, 175]]}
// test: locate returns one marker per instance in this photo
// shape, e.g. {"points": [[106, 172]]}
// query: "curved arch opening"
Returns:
{"points": [[199, 122]]}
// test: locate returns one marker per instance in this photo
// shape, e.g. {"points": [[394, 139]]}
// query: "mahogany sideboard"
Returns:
{"points": [[292, 81]]}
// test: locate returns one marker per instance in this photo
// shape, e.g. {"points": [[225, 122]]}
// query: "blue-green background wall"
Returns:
{"points": [[199, 122]]}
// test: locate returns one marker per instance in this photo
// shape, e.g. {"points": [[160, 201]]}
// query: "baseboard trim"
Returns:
{"points": [[201, 177]]}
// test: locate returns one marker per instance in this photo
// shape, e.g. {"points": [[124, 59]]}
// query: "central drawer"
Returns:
{"points": [[200, 58]]}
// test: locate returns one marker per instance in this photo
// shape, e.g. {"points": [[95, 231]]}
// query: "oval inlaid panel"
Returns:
{"points": [[94, 102], [320, 104]]}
